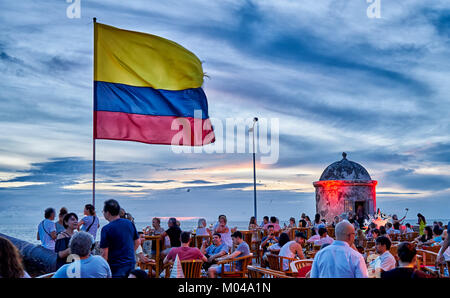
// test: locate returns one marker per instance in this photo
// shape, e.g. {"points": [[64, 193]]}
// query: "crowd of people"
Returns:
{"points": [[121, 248]]}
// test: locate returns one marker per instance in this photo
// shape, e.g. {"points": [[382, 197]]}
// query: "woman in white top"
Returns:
{"points": [[90, 223], [202, 230], [224, 231]]}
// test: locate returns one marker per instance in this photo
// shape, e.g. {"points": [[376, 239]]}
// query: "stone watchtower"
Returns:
{"points": [[344, 186]]}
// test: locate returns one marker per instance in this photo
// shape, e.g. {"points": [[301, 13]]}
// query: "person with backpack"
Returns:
{"points": [[90, 223]]}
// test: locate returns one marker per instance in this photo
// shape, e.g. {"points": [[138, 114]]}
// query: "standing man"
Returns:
{"points": [[339, 259], [119, 241], [47, 230]]}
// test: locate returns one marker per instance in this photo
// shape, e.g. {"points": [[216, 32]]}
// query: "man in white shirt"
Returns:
{"points": [[386, 260], [340, 259], [324, 238]]}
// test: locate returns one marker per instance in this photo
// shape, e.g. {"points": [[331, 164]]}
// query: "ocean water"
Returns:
{"points": [[28, 231]]}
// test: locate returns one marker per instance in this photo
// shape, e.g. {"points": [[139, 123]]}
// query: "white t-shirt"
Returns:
{"points": [[45, 229]]}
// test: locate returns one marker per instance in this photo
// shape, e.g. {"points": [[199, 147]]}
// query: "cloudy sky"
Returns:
{"points": [[336, 80]]}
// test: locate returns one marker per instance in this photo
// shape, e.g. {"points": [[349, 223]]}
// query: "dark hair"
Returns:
{"points": [[429, 232], [185, 237], [90, 208], [63, 211], [270, 226], [300, 235], [421, 217], [317, 218], [266, 218], [112, 206], [252, 220], [406, 252], [303, 223], [67, 217], [273, 219], [217, 234], [396, 226], [283, 239], [324, 245], [292, 219], [376, 231], [322, 231], [389, 224], [140, 274], [408, 225], [384, 241], [48, 212], [382, 230], [237, 234], [437, 230], [173, 221], [313, 232]]}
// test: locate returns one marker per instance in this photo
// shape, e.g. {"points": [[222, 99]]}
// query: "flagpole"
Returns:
{"points": [[254, 169], [94, 119]]}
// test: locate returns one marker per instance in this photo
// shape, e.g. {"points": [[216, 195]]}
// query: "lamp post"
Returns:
{"points": [[252, 129]]}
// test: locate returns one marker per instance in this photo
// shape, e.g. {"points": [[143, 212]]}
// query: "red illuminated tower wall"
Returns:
{"points": [[334, 197]]}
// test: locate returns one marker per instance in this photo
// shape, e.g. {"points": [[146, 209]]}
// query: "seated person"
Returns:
{"points": [[407, 260], [282, 240], [242, 250], [324, 238], [214, 251], [273, 222], [185, 252], [437, 237], [375, 234], [268, 240], [385, 261], [89, 266], [292, 249], [408, 228], [427, 235], [396, 228], [314, 236]]}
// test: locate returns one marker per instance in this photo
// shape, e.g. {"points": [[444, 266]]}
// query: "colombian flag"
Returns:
{"points": [[148, 89]]}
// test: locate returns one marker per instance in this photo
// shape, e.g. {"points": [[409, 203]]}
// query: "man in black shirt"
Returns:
{"points": [[407, 259]]}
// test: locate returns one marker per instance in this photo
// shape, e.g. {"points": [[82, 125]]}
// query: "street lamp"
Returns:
{"points": [[252, 129]]}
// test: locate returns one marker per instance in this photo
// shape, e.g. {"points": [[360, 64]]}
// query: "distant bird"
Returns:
{"points": [[188, 190]]}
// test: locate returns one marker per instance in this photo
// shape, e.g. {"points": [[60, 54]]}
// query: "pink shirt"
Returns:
{"points": [[185, 253], [276, 227]]}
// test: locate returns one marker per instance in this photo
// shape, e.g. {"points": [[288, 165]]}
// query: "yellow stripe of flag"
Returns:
{"points": [[143, 60]]}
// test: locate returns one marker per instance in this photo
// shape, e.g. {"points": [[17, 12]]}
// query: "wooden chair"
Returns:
{"points": [[48, 275], [234, 273], [259, 272], [299, 264], [426, 261], [191, 268], [411, 236], [150, 266], [306, 231], [198, 240], [276, 262]]}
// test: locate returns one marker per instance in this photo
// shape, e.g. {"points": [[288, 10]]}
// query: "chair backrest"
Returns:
{"points": [[273, 261], [198, 240], [435, 248], [259, 272], [299, 264], [246, 261], [306, 231], [248, 235], [192, 268]]}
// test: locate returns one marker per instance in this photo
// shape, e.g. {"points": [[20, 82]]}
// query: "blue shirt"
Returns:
{"points": [[92, 267], [118, 236], [212, 249]]}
